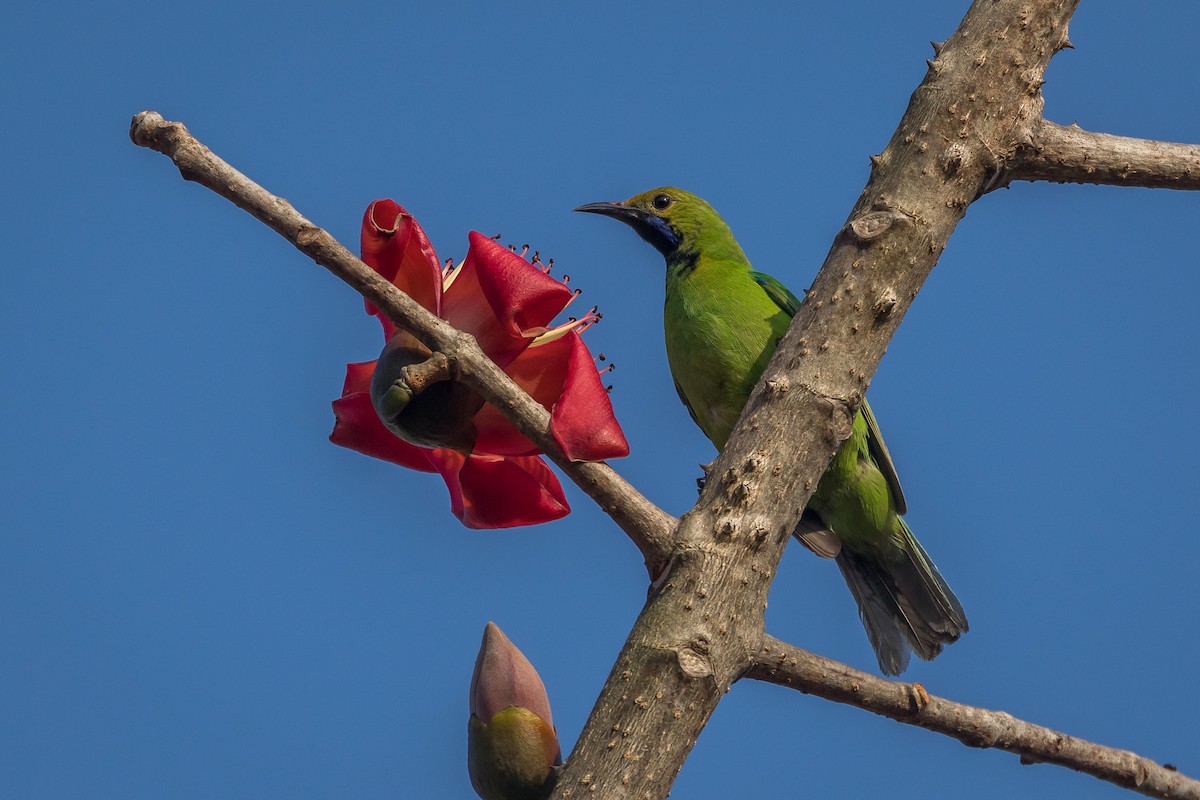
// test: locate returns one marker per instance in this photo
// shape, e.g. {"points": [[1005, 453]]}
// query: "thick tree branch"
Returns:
{"points": [[1069, 154], [650, 528], [704, 626], [781, 663]]}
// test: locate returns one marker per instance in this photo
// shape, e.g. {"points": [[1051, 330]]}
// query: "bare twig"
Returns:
{"points": [[1069, 154], [650, 528], [781, 663]]}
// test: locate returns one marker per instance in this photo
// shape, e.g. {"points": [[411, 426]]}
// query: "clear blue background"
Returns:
{"points": [[201, 597]]}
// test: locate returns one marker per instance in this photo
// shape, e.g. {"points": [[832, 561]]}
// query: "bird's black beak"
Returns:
{"points": [[626, 214], [651, 227]]}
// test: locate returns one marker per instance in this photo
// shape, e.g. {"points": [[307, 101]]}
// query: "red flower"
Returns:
{"points": [[495, 476]]}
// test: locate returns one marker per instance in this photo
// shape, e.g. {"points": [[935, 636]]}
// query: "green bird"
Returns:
{"points": [[723, 321]]}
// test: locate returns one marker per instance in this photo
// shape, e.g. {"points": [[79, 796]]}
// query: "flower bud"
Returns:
{"points": [[512, 747], [440, 415]]}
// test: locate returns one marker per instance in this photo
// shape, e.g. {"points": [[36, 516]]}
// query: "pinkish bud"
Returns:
{"points": [[504, 677], [512, 747]]}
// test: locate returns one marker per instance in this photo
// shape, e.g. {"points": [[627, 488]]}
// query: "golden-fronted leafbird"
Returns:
{"points": [[723, 321]]}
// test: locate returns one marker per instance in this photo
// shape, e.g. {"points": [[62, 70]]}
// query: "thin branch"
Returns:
{"points": [[650, 528], [1069, 154], [783, 664]]}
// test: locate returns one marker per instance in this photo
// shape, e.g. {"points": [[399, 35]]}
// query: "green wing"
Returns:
{"points": [[883, 459], [782, 295], [687, 405], [787, 301]]}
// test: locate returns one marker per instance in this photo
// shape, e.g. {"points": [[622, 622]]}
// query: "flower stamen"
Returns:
{"points": [[450, 272], [577, 324]]}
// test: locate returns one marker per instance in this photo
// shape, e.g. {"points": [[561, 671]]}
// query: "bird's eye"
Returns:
{"points": [[661, 201]]}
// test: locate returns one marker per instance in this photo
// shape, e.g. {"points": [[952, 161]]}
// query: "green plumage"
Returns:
{"points": [[723, 321]]}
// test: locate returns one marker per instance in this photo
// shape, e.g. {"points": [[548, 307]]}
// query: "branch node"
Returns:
{"points": [[885, 304], [954, 157], [918, 698], [308, 235], [871, 224], [693, 660]]}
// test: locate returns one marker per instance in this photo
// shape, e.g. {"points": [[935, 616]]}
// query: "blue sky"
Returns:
{"points": [[201, 597]]}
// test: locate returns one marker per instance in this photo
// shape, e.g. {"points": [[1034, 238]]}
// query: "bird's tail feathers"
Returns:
{"points": [[903, 604], [816, 535]]}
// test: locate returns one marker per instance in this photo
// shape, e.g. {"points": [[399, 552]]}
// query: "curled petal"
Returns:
{"points": [[395, 246], [357, 426], [488, 491], [501, 299], [582, 420]]}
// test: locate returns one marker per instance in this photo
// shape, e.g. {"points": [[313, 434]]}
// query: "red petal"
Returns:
{"points": [[501, 299], [539, 370], [498, 436], [357, 426], [582, 420], [395, 246], [500, 492]]}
